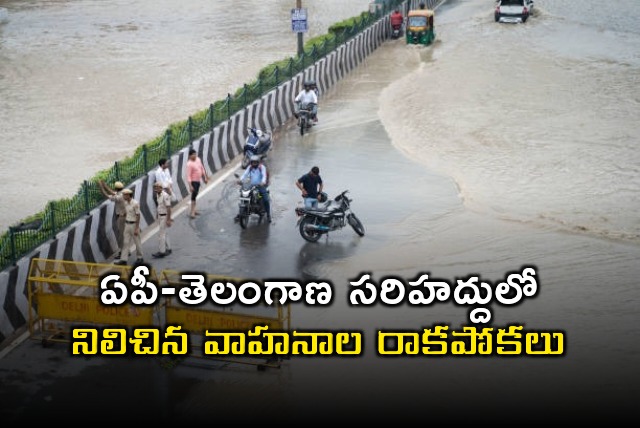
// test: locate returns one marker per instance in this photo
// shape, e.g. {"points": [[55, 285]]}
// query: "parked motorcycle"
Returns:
{"points": [[305, 117], [330, 216], [258, 142], [250, 203]]}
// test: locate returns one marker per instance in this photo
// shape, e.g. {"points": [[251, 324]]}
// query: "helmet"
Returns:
{"points": [[254, 158], [322, 197], [118, 185], [258, 133]]}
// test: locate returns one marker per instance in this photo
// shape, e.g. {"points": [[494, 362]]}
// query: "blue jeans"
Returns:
{"points": [[264, 193], [311, 203]]}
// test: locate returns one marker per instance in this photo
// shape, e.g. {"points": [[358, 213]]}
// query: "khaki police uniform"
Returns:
{"points": [[131, 223], [120, 211], [164, 210]]}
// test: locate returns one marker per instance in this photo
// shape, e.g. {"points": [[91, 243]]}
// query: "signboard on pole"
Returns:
{"points": [[299, 20]]}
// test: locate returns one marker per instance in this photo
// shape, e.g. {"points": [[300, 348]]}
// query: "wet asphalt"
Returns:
{"points": [[353, 152], [414, 221]]}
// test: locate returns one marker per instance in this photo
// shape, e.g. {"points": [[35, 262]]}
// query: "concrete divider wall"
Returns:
{"points": [[91, 239]]}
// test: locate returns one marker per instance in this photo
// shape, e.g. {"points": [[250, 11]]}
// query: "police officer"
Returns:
{"points": [[115, 195], [131, 228]]}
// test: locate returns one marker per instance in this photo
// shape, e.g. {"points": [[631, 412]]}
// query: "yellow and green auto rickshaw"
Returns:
{"points": [[419, 28]]}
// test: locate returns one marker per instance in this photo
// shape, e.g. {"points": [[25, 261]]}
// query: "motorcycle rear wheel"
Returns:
{"points": [[356, 224], [307, 233]]}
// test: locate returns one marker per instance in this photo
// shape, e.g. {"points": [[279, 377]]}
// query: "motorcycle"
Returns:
{"points": [[258, 142], [332, 215], [396, 31], [305, 117], [250, 203]]}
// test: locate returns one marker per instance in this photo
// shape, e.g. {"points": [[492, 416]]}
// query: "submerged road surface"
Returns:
{"points": [[353, 152], [416, 221]]}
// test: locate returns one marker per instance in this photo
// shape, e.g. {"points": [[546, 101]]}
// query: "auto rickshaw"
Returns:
{"points": [[419, 28]]}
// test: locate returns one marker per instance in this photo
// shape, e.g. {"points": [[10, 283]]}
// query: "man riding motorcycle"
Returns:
{"points": [[307, 96], [257, 174], [396, 19]]}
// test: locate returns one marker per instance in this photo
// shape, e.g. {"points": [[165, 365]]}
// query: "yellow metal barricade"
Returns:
{"points": [[66, 293], [66, 297]]}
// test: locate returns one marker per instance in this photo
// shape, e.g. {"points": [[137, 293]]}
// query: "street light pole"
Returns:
{"points": [[300, 44]]}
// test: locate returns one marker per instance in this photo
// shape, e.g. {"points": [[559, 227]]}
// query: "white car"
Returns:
{"points": [[514, 11]]}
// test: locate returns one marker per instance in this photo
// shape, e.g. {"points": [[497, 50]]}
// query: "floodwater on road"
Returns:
{"points": [[84, 83], [415, 221], [452, 175]]}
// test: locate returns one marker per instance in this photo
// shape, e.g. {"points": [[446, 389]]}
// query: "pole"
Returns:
{"points": [[300, 43]]}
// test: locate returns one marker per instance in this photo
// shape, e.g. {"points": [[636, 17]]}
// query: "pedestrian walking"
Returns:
{"points": [[116, 196], [310, 184], [196, 174], [164, 220], [131, 228]]}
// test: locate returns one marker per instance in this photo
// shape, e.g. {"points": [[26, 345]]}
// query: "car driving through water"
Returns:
{"points": [[513, 11]]}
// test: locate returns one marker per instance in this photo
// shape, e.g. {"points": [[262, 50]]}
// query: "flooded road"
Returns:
{"points": [[415, 221], [84, 83], [438, 188]]}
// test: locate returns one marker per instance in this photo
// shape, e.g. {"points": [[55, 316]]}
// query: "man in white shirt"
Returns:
{"points": [[307, 96], [163, 176]]}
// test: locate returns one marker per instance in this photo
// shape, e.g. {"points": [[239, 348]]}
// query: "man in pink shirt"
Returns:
{"points": [[195, 175]]}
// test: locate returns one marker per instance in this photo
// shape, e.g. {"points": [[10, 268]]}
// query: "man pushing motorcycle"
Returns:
{"points": [[257, 174]]}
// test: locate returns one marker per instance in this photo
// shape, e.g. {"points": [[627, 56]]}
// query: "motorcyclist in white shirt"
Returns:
{"points": [[307, 96]]}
